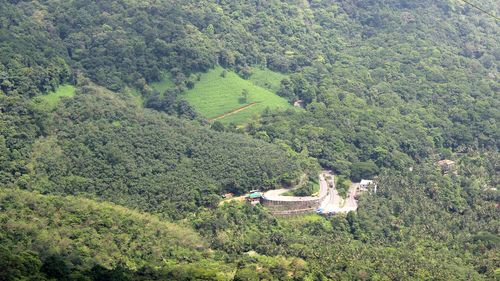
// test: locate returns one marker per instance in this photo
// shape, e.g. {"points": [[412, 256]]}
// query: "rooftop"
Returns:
{"points": [[255, 195]]}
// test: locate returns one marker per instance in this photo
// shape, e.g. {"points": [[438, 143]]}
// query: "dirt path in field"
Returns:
{"points": [[233, 111]]}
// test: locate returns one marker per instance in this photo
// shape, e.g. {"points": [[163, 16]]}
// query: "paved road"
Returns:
{"points": [[352, 203], [276, 194], [334, 203]]}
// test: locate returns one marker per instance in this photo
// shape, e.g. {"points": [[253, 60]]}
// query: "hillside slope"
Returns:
{"points": [[68, 238], [102, 145], [219, 97], [389, 87]]}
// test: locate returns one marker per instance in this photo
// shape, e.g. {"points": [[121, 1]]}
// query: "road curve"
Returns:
{"points": [[276, 194], [329, 201], [334, 203]]}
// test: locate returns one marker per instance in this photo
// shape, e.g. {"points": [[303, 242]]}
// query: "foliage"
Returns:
{"points": [[69, 238], [50, 100], [311, 187], [89, 233], [164, 84], [389, 87], [342, 184], [107, 147]]}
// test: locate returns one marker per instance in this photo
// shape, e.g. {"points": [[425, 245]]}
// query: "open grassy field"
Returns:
{"points": [[266, 78], [50, 100], [165, 84], [220, 98]]}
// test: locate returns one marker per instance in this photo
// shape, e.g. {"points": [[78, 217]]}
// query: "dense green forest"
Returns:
{"points": [[119, 152], [120, 181], [55, 238]]}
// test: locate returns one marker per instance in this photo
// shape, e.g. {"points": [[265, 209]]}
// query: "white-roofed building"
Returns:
{"points": [[367, 185]]}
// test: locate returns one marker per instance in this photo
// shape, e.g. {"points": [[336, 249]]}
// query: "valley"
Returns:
{"points": [[249, 140]]}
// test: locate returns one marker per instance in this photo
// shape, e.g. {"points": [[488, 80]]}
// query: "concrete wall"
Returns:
{"points": [[298, 206], [290, 205]]}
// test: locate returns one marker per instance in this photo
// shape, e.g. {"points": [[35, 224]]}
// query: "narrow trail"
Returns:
{"points": [[233, 111]]}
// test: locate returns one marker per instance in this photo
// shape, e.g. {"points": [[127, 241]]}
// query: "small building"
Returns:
{"points": [[298, 103], [254, 197], [446, 165], [364, 184], [367, 185]]}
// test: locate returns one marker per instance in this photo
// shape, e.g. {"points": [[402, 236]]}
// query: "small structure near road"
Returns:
{"points": [[254, 197], [367, 185]]}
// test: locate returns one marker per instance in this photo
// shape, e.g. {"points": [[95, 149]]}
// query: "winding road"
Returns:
{"points": [[276, 194], [329, 201], [334, 203]]}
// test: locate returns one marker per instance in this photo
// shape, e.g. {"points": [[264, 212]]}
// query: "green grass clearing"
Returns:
{"points": [[266, 78], [165, 83], [50, 100], [215, 95], [135, 95]]}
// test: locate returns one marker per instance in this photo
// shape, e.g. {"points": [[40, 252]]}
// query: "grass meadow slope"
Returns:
{"points": [[220, 97], [50, 100]]}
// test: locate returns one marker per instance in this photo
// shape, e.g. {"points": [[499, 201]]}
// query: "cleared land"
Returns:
{"points": [[215, 96], [50, 100], [165, 84], [266, 78]]}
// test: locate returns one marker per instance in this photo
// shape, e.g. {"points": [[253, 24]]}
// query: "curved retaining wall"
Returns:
{"points": [[296, 205], [292, 207]]}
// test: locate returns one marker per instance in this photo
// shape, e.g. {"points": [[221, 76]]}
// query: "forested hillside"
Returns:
{"points": [[99, 99], [99, 144], [366, 61], [56, 238]]}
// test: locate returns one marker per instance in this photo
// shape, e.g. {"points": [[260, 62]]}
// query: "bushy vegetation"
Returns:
{"points": [[87, 233], [389, 88], [50, 100], [108, 147], [164, 84], [310, 188], [68, 238]]}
